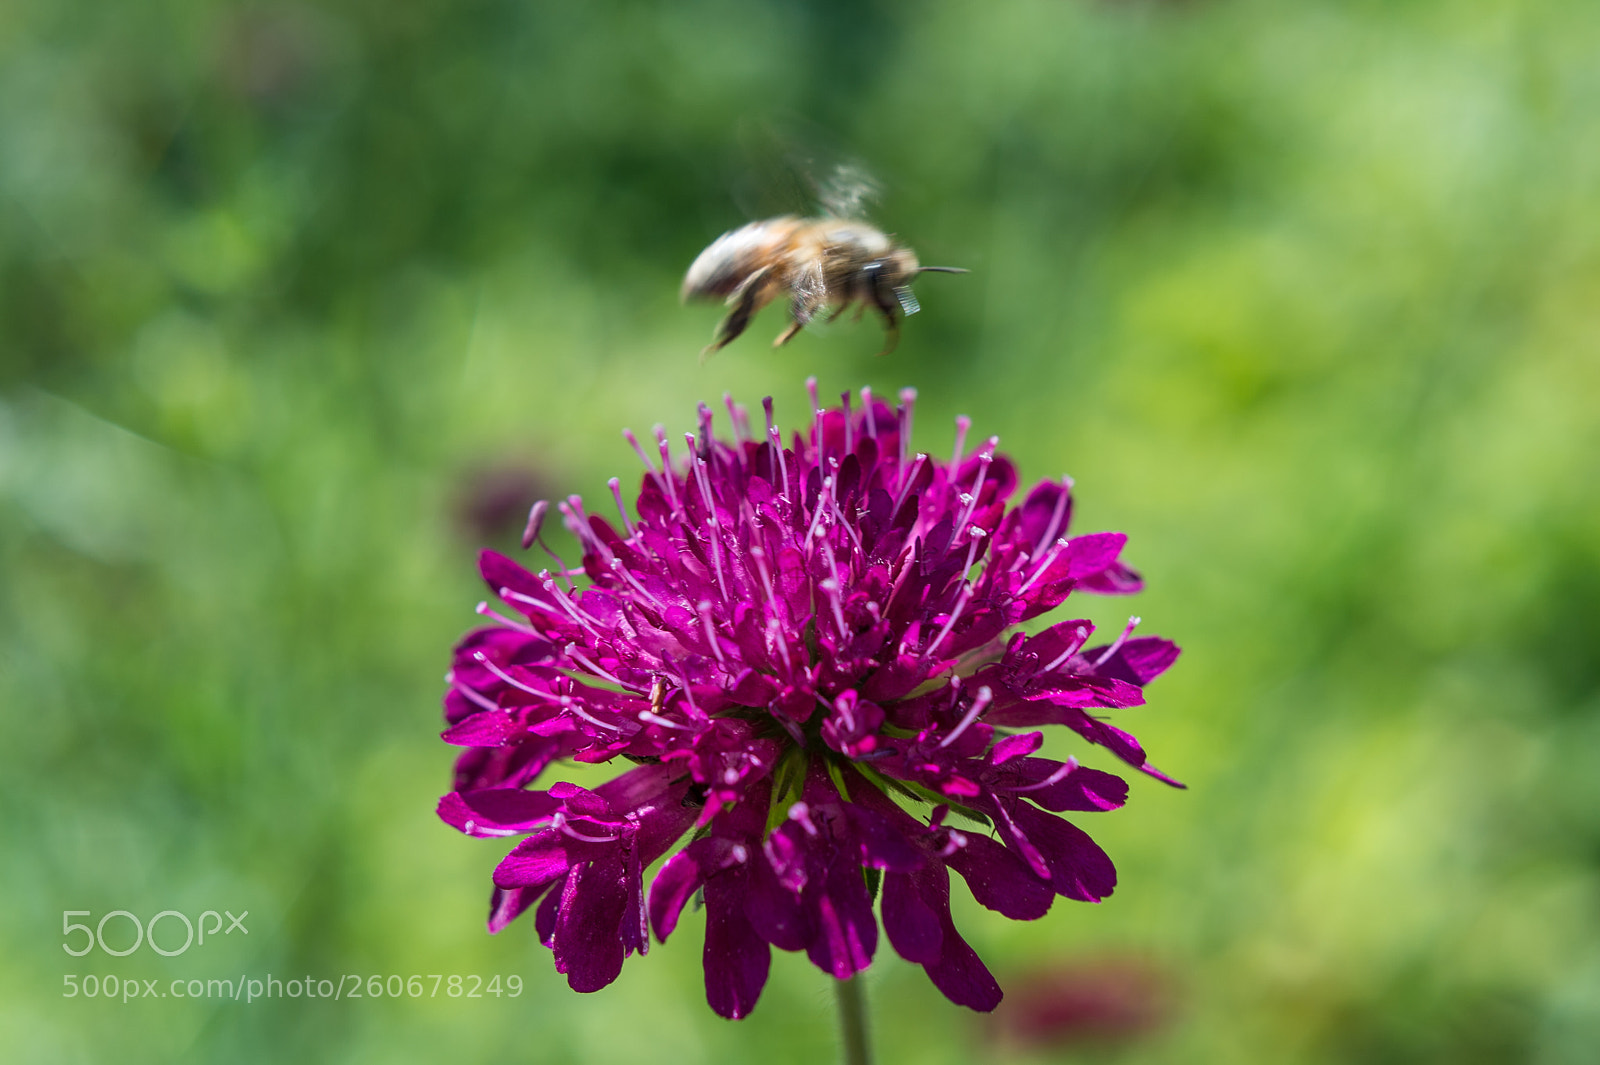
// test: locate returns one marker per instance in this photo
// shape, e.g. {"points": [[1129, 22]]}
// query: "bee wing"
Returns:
{"points": [[777, 174], [849, 190], [795, 166]]}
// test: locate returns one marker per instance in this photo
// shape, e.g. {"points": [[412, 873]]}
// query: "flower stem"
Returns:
{"points": [[853, 1021]]}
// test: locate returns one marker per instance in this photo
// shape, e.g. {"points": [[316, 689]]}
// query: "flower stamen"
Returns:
{"points": [[483, 609], [908, 400], [963, 423], [577, 656], [1082, 634], [1116, 645], [1062, 772]]}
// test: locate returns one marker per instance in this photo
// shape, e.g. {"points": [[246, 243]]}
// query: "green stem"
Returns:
{"points": [[853, 1021]]}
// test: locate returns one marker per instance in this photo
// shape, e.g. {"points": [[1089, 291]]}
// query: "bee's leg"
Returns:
{"points": [[807, 294], [804, 308], [746, 300], [891, 333], [851, 301], [883, 300]]}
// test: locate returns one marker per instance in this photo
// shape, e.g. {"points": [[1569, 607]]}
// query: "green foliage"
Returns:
{"points": [[1301, 294]]}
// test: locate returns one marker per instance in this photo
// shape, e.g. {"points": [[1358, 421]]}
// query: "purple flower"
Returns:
{"points": [[797, 646]]}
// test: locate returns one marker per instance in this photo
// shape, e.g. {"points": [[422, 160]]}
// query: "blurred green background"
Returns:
{"points": [[301, 304]]}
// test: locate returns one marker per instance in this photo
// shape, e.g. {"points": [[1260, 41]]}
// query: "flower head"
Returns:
{"points": [[797, 644]]}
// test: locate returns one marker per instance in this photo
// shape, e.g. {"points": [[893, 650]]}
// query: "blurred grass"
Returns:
{"points": [[1301, 294]]}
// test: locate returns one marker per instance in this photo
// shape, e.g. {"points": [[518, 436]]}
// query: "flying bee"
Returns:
{"points": [[830, 261]]}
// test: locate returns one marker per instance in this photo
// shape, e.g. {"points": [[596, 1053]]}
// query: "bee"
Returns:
{"points": [[830, 261]]}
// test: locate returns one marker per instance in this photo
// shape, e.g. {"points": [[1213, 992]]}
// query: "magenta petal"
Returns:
{"points": [[549, 912], [959, 973], [500, 572], [774, 911], [1004, 750], [1116, 579], [499, 645], [1083, 556], [1083, 789], [1045, 655], [536, 860], [845, 933], [1151, 770], [1086, 555], [507, 904], [634, 930], [736, 958], [1079, 869], [513, 766], [1000, 880], [663, 817], [497, 811], [1017, 840], [1075, 788], [882, 847], [912, 926], [898, 676], [1122, 744], [489, 728], [674, 886], [753, 689], [1044, 514], [586, 944], [1140, 660], [1022, 713], [457, 708], [1085, 690], [580, 802]]}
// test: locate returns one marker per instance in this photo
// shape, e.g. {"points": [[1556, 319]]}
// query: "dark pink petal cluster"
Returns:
{"points": [[809, 650]]}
